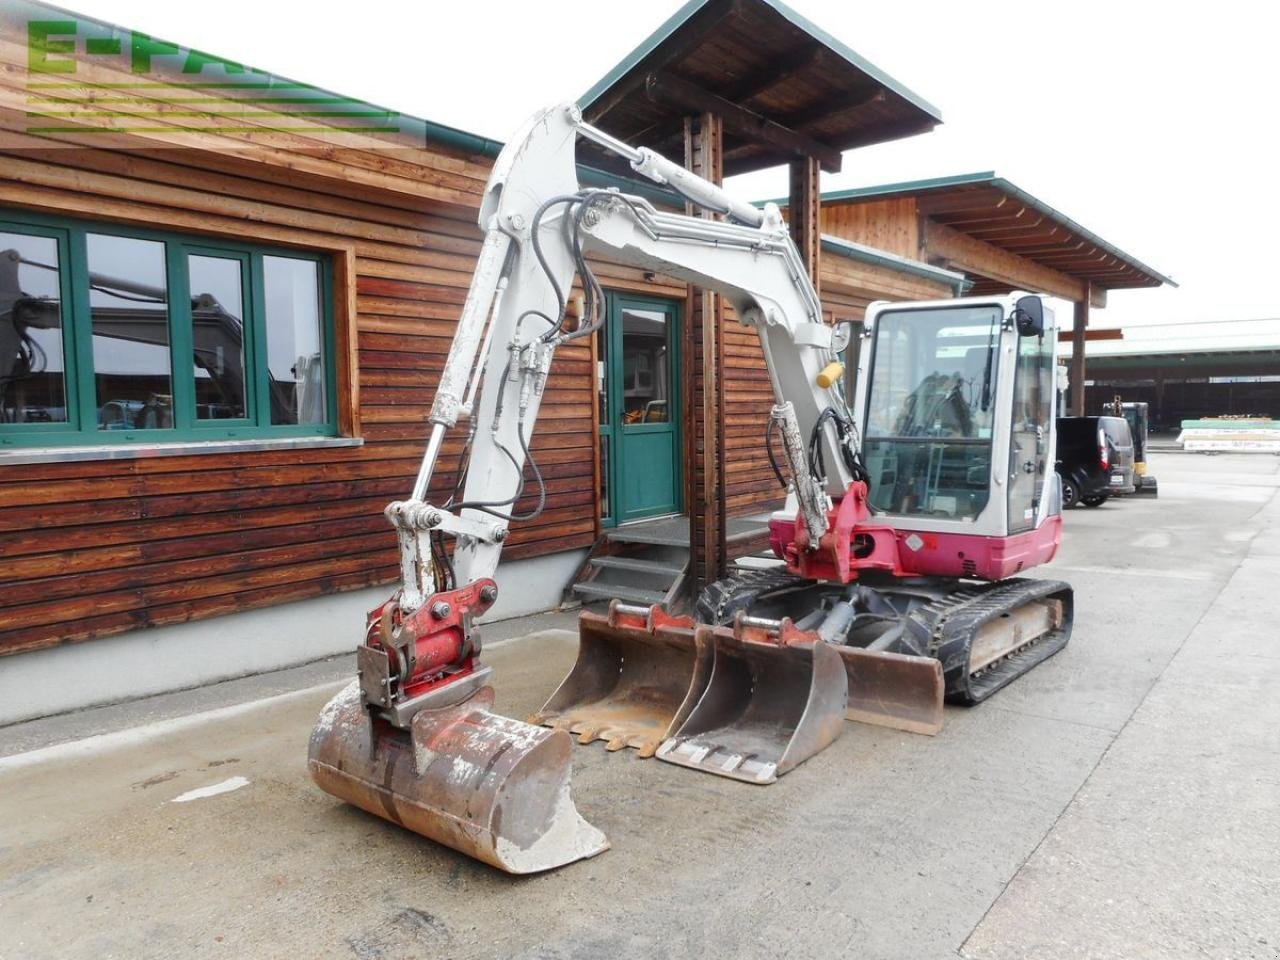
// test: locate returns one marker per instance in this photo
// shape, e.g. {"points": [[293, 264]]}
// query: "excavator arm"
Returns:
{"points": [[539, 229], [413, 739]]}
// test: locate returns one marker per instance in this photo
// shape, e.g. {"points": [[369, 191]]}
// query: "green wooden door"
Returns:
{"points": [[640, 409]]}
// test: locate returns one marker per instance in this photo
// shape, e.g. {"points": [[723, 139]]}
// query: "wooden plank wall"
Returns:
{"points": [[99, 547], [890, 225], [95, 548]]}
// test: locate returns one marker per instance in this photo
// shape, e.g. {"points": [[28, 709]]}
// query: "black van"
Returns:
{"points": [[1095, 459]]}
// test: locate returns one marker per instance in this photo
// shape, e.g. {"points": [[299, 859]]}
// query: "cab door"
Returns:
{"points": [[1033, 387]]}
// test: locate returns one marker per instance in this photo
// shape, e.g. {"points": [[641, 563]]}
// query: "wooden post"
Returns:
{"points": [[804, 204], [1077, 354], [704, 393]]}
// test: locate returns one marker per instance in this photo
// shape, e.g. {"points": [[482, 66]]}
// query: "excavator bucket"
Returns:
{"points": [[894, 690], [638, 674], [776, 697], [486, 785]]}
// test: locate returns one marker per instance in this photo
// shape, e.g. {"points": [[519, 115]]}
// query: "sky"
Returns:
{"points": [[1155, 125]]}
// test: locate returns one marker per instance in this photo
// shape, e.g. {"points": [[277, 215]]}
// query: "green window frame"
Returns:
{"points": [[81, 426]]}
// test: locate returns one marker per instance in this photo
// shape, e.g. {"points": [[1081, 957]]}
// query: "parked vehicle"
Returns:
{"points": [[1095, 459], [1136, 415]]}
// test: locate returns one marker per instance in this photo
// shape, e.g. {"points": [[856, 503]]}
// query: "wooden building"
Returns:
{"points": [[225, 301]]}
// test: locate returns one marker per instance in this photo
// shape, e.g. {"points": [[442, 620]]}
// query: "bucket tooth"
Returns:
{"points": [[638, 674], [894, 690], [489, 786], [770, 704]]}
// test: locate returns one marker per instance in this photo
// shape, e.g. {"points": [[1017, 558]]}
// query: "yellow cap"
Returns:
{"points": [[830, 374]]}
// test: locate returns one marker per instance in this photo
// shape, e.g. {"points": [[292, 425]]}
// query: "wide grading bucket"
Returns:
{"points": [[489, 786], [774, 699], [638, 674], [894, 690]]}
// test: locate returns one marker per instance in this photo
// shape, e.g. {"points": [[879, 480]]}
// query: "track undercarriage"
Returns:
{"points": [[984, 635]]}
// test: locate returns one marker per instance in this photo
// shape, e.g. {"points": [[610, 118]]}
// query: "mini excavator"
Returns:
{"points": [[910, 513]]}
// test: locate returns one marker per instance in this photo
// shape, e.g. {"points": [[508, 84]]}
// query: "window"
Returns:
{"points": [[930, 407], [114, 335]]}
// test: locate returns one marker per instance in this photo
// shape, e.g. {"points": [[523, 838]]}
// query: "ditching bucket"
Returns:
{"points": [[638, 674], [486, 785], [775, 698], [894, 689]]}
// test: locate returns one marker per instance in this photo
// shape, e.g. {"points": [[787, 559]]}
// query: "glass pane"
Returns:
{"points": [[295, 347], [129, 300], [217, 327], [930, 411], [32, 379], [602, 376], [645, 367], [606, 510], [1028, 442]]}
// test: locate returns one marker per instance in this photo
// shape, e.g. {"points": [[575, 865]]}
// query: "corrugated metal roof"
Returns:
{"points": [[1161, 339]]}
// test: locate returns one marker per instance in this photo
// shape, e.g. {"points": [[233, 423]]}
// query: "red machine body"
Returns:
{"points": [[438, 637], [855, 542]]}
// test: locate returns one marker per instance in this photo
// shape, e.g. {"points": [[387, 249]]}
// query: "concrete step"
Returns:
{"points": [[617, 591], [637, 565]]}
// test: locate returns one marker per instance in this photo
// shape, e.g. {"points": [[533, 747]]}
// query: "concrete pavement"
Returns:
{"points": [[1120, 801]]}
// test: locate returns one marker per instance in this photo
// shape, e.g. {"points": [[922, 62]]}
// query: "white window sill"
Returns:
{"points": [[187, 448]]}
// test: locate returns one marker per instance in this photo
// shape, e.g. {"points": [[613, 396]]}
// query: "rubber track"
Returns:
{"points": [[721, 600], [958, 617], [948, 624]]}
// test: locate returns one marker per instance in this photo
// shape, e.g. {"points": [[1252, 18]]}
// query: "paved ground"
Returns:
{"points": [[1122, 801]]}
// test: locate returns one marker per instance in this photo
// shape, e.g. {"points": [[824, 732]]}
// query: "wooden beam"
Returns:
{"points": [[885, 132], [800, 60], [980, 219], [1078, 335], [965, 200], [690, 96], [838, 106], [703, 387], [804, 204], [1114, 333], [942, 243]]}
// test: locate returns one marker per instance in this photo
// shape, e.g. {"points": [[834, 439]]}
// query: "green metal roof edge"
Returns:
{"points": [[677, 19], [891, 261], [417, 127], [428, 130], [989, 178]]}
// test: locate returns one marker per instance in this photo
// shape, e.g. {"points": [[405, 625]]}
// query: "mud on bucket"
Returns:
{"points": [[489, 786]]}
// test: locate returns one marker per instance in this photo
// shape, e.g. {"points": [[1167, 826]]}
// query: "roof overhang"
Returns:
{"points": [[783, 87], [990, 209]]}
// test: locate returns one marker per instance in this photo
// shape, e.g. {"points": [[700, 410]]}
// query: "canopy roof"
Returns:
{"points": [[989, 208], [784, 88]]}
